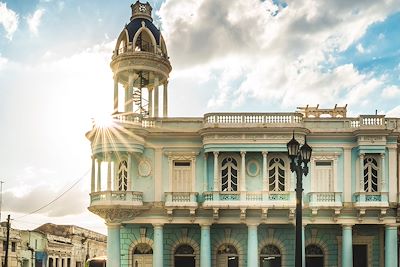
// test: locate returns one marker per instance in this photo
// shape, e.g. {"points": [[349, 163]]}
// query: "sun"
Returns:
{"points": [[103, 121]]}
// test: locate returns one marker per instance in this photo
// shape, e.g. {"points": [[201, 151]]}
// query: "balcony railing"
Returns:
{"points": [[127, 198], [248, 199], [371, 199], [181, 199], [325, 199], [251, 119], [134, 119]]}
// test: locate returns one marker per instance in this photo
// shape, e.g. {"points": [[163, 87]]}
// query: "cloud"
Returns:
{"points": [[391, 92], [395, 112], [34, 20], [3, 62], [9, 20], [272, 53]]}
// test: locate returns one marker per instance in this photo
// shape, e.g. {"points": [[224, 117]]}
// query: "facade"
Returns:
{"points": [[14, 246], [53, 245], [218, 191]]}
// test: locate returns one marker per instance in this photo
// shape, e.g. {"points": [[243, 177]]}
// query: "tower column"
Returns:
{"points": [[115, 94], [93, 175], [391, 258], [109, 173], [347, 246], [113, 244], [150, 90], [158, 252], [126, 106], [165, 97], [205, 246], [156, 98], [264, 171], [98, 175], [216, 180], [252, 245]]}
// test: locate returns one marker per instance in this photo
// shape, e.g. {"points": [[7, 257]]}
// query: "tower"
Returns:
{"points": [[140, 66]]}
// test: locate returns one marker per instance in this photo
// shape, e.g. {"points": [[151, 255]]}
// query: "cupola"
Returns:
{"points": [[141, 66]]}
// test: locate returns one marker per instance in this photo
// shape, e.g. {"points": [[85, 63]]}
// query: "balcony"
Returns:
{"points": [[251, 200], [371, 200], [181, 200], [113, 198], [252, 119], [325, 200]]}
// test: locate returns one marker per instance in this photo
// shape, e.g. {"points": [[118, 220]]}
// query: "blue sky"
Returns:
{"points": [[261, 56]]}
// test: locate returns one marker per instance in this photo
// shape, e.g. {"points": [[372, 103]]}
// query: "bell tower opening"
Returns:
{"points": [[141, 67]]}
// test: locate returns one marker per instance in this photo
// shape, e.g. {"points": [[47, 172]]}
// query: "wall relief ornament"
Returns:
{"points": [[116, 215], [144, 168]]}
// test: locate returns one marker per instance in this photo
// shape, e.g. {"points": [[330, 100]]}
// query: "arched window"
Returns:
{"points": [[227, 256], [276, 173], [143, 42], [229, 174], [371, 169], [184, 256], [270, 256], [123, 176], [142, 255], [314, 256]]}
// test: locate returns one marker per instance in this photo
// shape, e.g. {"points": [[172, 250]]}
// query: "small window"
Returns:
{"points": [[323, 163], [123, 176], [371, 173], [182, 163], [229, 174], [277, 173], [4, 245], [13, 246]]}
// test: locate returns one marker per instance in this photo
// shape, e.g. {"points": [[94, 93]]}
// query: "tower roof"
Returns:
{"points": [[137, 23]]}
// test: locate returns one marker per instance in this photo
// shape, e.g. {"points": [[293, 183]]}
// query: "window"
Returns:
{"points": [[371, 170], [123, 176], [182, 176], [277, 173], [229, 174], [270, 256], [314, 256], [4, 245], [184, 256], [13, 246], [323, 176], [142, 255], [227, 256], [143, 42]]}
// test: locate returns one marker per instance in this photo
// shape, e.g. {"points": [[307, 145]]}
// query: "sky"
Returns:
{"points": [[236, 56]]}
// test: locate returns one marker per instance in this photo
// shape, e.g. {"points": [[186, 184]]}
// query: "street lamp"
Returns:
{"points": [[299, 159]]}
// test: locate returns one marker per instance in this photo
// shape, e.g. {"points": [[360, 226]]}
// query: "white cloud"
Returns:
{"points": [[34, 20], [281, 52], [391, 92], [395, 112], [360, 48], [9, 20], [3, 62]]}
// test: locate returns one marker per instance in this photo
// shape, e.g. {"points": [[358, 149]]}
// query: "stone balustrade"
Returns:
{"points": [[371, 199], [325, 199], [181, 199], [127, 198]]}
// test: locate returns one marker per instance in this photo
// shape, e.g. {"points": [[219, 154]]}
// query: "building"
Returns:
{"points": [[218, 190], [53, 245]]}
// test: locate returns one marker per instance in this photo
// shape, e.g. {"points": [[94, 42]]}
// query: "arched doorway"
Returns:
{"points": [[227, 256], [270, 256], [184, 256], [314, 256], [142, 256]]}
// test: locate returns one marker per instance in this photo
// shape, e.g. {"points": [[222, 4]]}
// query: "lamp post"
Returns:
{"points": [[299, 159]]}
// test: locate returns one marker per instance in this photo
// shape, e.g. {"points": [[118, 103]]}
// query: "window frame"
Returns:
{"points": [[287, 175], [324, 157], [239, 166], [182, 157]]}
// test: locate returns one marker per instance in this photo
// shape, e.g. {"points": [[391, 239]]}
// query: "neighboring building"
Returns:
{"points": [[53, 245], [218, 190]]}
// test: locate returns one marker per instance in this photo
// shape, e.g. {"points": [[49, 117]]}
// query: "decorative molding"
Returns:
{"points": [[116, 215], [144, 168], [255, 172]]}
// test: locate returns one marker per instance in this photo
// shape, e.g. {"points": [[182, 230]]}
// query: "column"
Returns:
{"points": [[361, 172], [264, 171], [205, 182], [243, 172], [347, 246], [115, 94], [216, 180], [392, 174], [156, 97], [150, 102], [383, 174], [93, 179], [126, 106], [158, 251], [252, 246], [205, 246], [98, 175], [165, 98], [108, 173], [129, 176], [391, 256], [113, 244], [347, 174], [130, 93]]}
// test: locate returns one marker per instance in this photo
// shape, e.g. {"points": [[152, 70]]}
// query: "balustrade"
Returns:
{"points": [[116, 198]]}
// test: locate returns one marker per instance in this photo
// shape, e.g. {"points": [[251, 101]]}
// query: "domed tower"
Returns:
{"points": [[141, 66]]}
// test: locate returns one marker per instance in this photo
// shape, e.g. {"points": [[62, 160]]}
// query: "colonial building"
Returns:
{"points": [[218, 191], [52, 245]]}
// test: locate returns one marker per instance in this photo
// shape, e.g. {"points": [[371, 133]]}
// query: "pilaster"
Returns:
{"points": [[265, 171], [252, 245], [243, 171], [216, 176], [391, 249], [347, 246], [205, 246], [158, 252], [113, 244]]}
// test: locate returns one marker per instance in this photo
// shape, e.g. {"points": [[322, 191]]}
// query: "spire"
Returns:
{"points": [[140, 10]]}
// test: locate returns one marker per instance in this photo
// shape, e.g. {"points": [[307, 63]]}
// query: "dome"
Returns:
{"points": [[137, 23]]}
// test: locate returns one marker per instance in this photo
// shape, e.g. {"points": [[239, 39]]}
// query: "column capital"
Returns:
{"points": [[158, 225], [347, 226], [242, 153], [387, 226], [205, 225], [205, 155], [382, 155], [113, 225], [252, 224], [264, 153], [216, 153]]}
